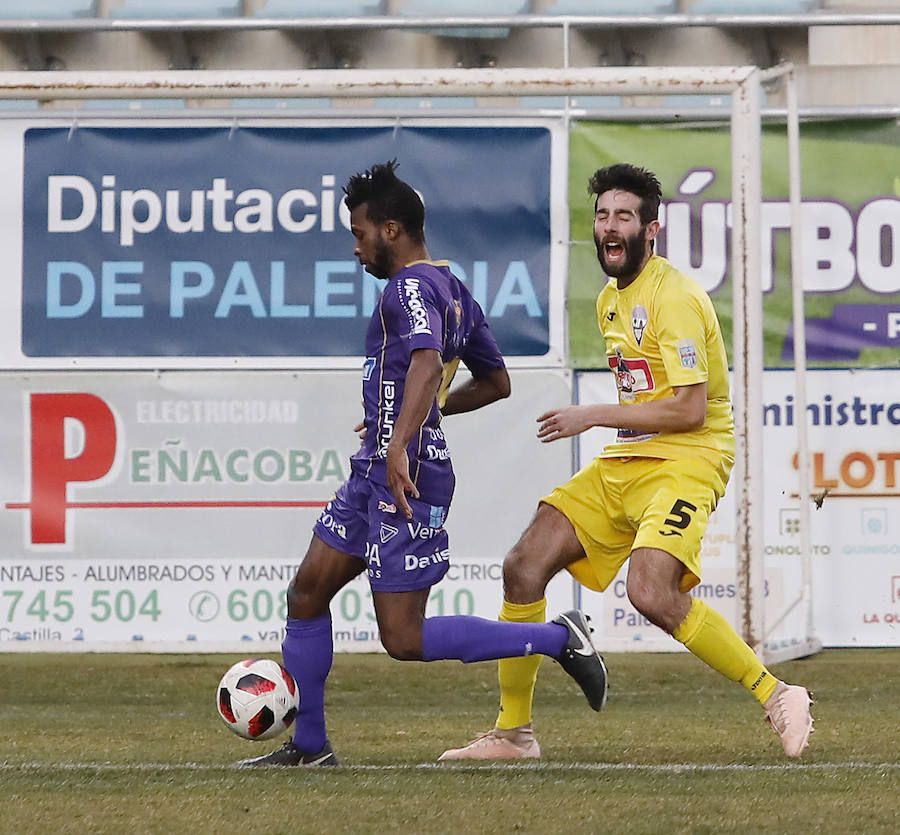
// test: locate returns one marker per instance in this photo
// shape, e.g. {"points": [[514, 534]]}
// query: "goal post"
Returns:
{"points": [[353, 83], [748, 480], [742, 83], [797, 646], [746, 186]]}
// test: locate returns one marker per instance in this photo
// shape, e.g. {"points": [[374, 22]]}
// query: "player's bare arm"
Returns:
{"points": [[477, 392], [422, 381], [685, 411]]}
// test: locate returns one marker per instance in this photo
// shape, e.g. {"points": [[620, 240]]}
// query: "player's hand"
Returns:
{"points": [[562, 423], [360, 430], [398, 480]]}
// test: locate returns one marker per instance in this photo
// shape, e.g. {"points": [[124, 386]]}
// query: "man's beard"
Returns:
{"points": [[635, 250], [380, 266]]}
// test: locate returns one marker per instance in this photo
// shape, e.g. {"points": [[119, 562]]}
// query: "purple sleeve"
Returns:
{"points": [[420, 317], [412, 315], [482, 354]]}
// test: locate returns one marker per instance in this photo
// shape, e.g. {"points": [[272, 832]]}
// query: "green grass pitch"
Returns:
{"points": [[133, 743]]}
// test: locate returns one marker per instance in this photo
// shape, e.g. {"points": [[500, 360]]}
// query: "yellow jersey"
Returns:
{"points": [[662, 331]]}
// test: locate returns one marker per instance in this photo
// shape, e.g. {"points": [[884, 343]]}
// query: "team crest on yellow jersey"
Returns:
{"points": [[687, 351]]}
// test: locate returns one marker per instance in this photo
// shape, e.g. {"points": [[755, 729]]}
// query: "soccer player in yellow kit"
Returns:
{"points": [[648, 496]]}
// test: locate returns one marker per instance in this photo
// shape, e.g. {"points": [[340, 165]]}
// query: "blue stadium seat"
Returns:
{"points": [[697, 102], [437, 102], [466, 8], [36, 57], [596, 101], [281, 104], [543, 102], [178, 9], [133, 104], [320, 8], [754, 6], [707, 102], [612, 7], [559, 102], [47, 9], [19, 104]]}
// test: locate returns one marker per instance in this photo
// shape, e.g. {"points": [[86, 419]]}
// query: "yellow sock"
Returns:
{"points": [[710, 637], [518, 675]]}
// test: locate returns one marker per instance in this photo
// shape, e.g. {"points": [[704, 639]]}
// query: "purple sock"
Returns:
{"points": [[307, 651], [468, 639]]}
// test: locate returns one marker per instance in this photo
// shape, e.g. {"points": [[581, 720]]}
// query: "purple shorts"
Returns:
{"points": [[401, 554]]}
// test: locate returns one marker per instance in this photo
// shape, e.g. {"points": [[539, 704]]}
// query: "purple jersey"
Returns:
{"points": [[423, 306]]}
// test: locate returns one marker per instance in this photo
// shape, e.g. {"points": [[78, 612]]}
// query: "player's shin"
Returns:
{"points": [[517, 676], [308, 651], [710, 637], [468, 638]]}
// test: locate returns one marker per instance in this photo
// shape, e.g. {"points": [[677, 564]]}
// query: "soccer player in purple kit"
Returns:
{"points": [[388, 517]]}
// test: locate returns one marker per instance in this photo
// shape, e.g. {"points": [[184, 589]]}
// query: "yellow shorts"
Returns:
{"points": [[619, 504]]}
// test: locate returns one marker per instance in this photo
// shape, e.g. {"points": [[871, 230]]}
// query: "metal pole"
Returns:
{"points": [[748, 346], [398, 22], [799, 314], [193, 84]]}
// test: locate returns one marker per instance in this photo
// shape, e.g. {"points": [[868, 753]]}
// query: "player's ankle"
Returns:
{"points": [[780, 687]]}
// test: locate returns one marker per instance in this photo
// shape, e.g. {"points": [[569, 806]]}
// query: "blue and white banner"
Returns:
{"points": [[199, 242]]}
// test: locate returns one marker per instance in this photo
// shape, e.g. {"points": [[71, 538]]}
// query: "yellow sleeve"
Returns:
{"points": [[682, 336]]}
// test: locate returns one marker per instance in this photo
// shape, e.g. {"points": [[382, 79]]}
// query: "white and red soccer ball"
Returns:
{"points": [[258, 698]]}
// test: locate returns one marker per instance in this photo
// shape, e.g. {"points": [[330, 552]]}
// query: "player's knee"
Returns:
{"points": [[660, 606], [402, 647], [523, 576], [303, 603], [648, 600], [514, 566]]}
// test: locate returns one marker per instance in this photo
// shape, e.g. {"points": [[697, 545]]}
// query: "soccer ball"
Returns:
{"points": [[258, 698]]}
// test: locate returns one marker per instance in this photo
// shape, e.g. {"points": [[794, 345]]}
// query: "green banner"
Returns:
{"points": [[850, 179]]}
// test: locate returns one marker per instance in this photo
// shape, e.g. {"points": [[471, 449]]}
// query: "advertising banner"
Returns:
{"points": [[853, 420], [153, 511], [850, 229], [162, 246]]}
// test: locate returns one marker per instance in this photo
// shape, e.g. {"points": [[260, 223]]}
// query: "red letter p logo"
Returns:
{"points": [[51, 471]]}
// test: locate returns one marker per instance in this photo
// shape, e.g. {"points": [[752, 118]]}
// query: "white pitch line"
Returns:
{"points": [[669, 768]]}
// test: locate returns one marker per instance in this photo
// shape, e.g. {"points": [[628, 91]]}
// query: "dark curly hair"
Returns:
{"points": [[387, 197], [630, 178]]}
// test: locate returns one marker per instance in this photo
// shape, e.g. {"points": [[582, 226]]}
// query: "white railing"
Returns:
{"points": [[523, 21]]}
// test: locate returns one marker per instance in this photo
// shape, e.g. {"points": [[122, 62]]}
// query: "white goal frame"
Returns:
{"points": [[742, 83]]}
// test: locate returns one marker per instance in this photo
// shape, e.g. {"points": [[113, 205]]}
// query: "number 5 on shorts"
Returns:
{"points": [[680, 517]]}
